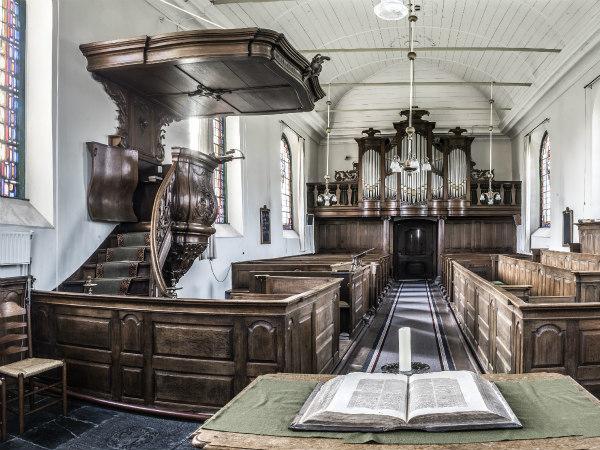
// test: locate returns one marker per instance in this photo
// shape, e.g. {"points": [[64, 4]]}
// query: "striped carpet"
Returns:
{"points": [[436, 339]]}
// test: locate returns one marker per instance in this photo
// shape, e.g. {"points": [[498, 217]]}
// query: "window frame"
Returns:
{"points": [[20, 93], [287, 218], [220, 171], [545, 200]]}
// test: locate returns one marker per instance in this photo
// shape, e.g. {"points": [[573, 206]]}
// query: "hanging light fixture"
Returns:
{"points": [[327, 198], [411, 164], [391, 10], [490, 197]]}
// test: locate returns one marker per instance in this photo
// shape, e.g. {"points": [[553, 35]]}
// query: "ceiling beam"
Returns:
{"points": [[429, 83], [226, 2], [433, 49], [439, 108]]}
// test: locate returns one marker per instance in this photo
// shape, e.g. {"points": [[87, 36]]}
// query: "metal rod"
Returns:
{"points": [[491, 130], [439, 108], [432, 83], [433, 49]]}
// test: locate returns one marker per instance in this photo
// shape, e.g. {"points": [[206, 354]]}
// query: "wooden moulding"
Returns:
{"points": [[185, 356], [513, 336], [205, 72]]}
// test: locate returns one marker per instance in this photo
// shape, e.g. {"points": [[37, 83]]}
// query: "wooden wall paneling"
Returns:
{"points": [[528, 337], [589, 236], [480, 235], [185, 355], [349, 235]]}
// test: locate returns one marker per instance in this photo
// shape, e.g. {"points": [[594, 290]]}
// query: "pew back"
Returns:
{"points": [[577, 262]]}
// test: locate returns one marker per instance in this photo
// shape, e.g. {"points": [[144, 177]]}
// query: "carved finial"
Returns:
{"points": [[371, 132], [457, 131], [316, 65], [417, 113]]}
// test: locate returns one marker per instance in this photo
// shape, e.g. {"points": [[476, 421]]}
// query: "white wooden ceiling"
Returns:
{"points": [[349, 24]]}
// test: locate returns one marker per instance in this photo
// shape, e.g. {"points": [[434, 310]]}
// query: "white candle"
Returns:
{"points": [[404, 353]]}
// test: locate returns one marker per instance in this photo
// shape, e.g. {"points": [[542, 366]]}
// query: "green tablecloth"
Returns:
{"points": [[546, 408]]}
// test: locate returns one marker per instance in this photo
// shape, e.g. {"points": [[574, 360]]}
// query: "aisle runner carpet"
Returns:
{"points": [[413, 307]]}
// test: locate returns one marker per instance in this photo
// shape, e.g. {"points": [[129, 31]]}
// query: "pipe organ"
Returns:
{"points": [[447, 181]]}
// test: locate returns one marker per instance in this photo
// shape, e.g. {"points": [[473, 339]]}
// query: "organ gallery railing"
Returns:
{"points": [[450, 186]]}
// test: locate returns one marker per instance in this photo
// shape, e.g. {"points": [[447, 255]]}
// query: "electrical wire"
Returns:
{"points": [[215, 276]]}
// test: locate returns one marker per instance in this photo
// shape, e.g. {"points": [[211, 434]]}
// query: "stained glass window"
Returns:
{"points": [[285, 161], [545, 196], [220, 173], [12, 103]]}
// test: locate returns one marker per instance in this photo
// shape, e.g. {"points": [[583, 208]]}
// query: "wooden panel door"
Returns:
{"points": [[415, 243]]}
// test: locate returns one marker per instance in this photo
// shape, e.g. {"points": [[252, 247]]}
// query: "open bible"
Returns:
{"points": [[438, 401]]}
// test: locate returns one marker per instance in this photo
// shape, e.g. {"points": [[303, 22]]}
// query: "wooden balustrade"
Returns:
{"points": [[346, 193], [510, 335], [510, 192]]}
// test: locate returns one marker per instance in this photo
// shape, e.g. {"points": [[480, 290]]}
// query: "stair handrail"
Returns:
{"points": [[160, 230]]}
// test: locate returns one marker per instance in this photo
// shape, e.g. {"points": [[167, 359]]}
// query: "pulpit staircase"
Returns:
{"points": [[121, 266]]}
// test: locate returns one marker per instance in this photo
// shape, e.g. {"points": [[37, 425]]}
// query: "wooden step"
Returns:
{"points": [[144, 269], [138, 286], [101, 255]]}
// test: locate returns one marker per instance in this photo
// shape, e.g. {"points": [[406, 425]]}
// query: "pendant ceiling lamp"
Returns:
{"points": [[327, 198], [391, 10], [490, 197], [411, 164]]}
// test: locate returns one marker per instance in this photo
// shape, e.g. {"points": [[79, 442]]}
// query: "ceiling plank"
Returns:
{"points": [[228, 2], [433, 49]]}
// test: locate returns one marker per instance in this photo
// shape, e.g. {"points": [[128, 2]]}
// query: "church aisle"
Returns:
{"points": [[436, 338]]}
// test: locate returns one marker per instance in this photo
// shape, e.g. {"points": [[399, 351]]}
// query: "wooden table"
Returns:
{"points": [[212, 440]]}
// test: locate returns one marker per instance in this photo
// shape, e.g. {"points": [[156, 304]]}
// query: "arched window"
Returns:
{"points": [[545, 195], [220, 173], [12, 127], [285, 164]]}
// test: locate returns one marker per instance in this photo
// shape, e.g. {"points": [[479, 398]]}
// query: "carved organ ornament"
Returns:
{"points": [[155, 80]]}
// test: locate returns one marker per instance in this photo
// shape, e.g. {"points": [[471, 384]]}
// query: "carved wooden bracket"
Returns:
{"points": [[140, 122]]}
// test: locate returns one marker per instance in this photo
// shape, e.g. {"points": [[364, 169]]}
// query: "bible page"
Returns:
{"points": [[371, 394], [443, 393]]}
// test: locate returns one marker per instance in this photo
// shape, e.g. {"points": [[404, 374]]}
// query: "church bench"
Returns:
{"points": [[240, 271], [544, 334], [184, 357], [379, 263], [354, 291], [550, 281], [567, 260]]}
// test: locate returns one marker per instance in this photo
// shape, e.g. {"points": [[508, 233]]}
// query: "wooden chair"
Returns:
{"points": [[15, 343]]}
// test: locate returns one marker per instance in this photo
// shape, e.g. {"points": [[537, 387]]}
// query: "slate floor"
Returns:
{"points": [[91, 427]]}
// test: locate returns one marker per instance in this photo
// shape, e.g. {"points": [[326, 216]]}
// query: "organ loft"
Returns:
{"points": [[290, 224]]}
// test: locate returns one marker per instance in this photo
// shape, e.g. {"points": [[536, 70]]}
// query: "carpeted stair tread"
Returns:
{"points": [[117, 269], [114, 254], [111, 285], [136, 239]]}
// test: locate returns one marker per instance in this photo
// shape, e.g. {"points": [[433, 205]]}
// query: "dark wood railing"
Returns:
{"points": [[510, 192], [346, 193]]}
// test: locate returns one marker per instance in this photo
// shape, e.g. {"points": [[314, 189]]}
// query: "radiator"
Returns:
{"points": [[15, 248]]}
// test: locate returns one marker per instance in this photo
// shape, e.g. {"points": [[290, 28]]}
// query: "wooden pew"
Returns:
{"points": [[577, 262], [509, 335], [379, 264], [186, 357], [354, 291]]}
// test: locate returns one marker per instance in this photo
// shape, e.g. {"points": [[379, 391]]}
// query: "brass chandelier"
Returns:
{"points": [[327, 198]]}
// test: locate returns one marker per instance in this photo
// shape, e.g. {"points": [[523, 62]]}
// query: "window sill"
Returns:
{"points": [[21, 213], [224, 230], [290, 234], [542, 232]]}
